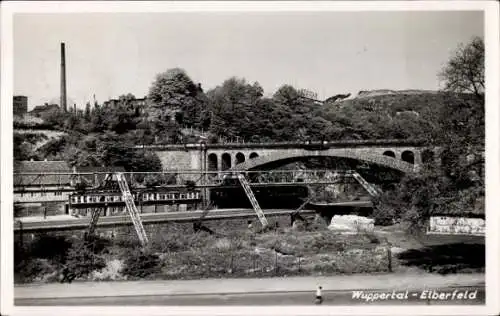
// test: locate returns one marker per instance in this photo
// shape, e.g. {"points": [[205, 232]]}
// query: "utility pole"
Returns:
{"points": [[204, 165]]}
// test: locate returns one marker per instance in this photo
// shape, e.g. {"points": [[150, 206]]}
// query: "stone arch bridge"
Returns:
{"points": [[402, 155]]}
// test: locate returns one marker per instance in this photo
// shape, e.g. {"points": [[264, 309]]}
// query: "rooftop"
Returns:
{"points": [[41, 167]]}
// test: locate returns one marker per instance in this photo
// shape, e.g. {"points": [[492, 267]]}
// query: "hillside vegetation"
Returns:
{"points": [[285, 117]]}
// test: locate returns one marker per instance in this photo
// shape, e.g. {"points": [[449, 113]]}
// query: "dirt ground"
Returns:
{"points": [[433, 253]]}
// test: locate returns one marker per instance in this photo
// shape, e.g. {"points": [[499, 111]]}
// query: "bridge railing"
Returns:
{"points": [[344, 143]]}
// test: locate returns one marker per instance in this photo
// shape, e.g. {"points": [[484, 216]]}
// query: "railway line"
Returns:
{"points": [[286, 187], [191, 216]]}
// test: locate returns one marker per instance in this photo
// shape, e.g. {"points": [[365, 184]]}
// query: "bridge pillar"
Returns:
{"points": [[234, 161], [418, 157], [417, 163], [219, 162]]}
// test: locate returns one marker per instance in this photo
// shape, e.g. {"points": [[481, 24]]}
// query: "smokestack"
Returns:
{"points": [[63, 78]]}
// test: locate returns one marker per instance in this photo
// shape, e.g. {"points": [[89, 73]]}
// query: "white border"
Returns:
{"points": [[237, 6], [490, 9]]}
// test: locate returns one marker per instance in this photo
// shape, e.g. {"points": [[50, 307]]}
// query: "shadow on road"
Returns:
{"points": [[447, 258]]}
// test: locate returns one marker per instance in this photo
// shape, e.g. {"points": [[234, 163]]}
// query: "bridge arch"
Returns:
{"points": [[389, 153], [226, 161], [408, 156], [253, 155], [213, 162], [240, 157], [283, 157]]}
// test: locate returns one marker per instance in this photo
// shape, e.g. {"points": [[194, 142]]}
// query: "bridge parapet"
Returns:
{"points": [[328, 143]]}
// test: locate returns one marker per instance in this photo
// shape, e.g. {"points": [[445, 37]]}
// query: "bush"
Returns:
{"points": [[82, 259], [141, 263], [112, 271], [327, 243], [33, 269], [175, 241], [384, 215], [126, 243], [99, 244]]}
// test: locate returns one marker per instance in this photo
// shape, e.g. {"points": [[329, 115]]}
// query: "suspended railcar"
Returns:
{"points": [[232, 195], [146, 200]]}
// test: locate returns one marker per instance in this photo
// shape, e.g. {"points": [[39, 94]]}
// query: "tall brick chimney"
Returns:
{"points": [[63, 78]]}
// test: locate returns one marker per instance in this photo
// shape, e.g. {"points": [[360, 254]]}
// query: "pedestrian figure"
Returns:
{"points": [[250, 224], [319, 297], [67, 276]]}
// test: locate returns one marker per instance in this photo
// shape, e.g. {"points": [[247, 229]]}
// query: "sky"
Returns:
{"points": [[110, 54]]}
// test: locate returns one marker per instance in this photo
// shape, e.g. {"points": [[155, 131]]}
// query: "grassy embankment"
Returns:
{"points": [[178, 253]]}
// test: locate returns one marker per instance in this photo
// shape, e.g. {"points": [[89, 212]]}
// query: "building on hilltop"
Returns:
{"points": [[136, 102], [308, 94], [20, 105], [40, 110]]}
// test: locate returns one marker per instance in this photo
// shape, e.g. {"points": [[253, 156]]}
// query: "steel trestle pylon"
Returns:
{"points": [[253, 200], [372, 190], [132, 209]]}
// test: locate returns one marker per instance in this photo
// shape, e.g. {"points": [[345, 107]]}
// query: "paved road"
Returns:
{"points": [[159, 218], [271, 291], [477, 295]]}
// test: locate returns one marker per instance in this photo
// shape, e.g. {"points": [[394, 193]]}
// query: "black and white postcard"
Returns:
{"points": [[250, 158]]}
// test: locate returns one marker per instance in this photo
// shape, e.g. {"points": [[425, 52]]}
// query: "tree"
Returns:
{"points": [[289, 96], [234, 108], [21, 148], [121, 119], [462, 135], [53, 148], [87, 111], [456, 186], [462, 116], [464, 72], [172, 92]]}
